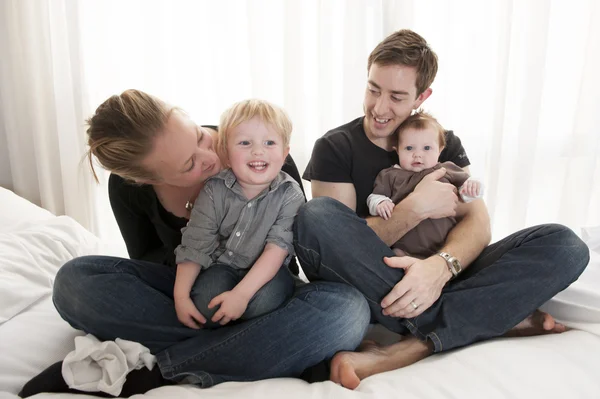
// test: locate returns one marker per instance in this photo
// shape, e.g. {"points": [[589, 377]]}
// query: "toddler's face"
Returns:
{"points": [[256, 153], [418, 149]]}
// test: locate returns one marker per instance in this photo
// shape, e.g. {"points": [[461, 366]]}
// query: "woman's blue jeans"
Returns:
{"points": [[133, 300]]}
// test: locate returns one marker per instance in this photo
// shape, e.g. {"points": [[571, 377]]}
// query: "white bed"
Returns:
{"points": [[35, 243]]}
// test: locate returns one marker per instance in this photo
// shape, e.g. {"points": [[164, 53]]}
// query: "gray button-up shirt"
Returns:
{"points": [[228, 228]]}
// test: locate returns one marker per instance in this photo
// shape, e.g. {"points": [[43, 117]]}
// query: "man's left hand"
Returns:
{"points": [[420, 287]]}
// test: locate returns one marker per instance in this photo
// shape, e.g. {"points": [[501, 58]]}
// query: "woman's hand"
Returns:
{"points": [[420, 287], [232, 307], [187, 313]]}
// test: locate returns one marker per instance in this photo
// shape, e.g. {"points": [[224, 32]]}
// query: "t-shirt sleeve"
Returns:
{"points": [[137, 229], [454, 151], [330, 160]]}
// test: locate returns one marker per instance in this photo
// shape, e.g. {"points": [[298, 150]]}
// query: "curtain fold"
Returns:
{"points": [[517, 83], [43, 105]]}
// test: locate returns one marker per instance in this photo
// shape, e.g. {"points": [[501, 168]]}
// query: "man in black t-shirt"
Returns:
{"points": [[465, 293]]}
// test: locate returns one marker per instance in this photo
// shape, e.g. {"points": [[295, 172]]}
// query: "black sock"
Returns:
{"points": [[317, 373], [51, 380]]}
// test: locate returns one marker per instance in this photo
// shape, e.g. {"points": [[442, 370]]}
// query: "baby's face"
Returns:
{"points": [[418, 149]]}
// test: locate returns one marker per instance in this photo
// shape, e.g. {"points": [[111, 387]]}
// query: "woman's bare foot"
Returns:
{"points": [[349, 368], [537, 323]]}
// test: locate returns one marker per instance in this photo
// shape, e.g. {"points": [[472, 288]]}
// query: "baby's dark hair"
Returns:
{"points": [[421, 120]]}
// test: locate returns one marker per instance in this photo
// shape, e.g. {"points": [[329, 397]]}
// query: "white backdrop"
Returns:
{"points": [[517, 83]]}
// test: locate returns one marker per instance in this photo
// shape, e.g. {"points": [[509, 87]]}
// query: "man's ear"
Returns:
{"points": [[422, 97], [286, 152]]}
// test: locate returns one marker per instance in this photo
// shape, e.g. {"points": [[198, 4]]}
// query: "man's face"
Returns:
{"points": [[390, 97]]}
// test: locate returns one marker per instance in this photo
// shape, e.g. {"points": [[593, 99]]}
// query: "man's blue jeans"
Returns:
{"points": [[505, 284], [219, 278], [130, 299]]}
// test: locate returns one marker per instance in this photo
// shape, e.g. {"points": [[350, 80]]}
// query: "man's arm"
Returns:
{"points": [[430, 199], [426, 278], [402, 221], [343, 192], [471, 234]]}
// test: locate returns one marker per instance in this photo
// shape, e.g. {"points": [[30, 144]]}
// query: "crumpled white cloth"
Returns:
{"points": [[102, 366]]}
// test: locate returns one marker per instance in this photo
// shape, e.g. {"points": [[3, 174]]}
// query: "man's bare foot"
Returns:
{"points": [[349, 368], [537, 323]]}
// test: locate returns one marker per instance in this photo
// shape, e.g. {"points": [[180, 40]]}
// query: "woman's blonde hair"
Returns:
{"points": [[422, 120], [246, 110], [121, 133]]}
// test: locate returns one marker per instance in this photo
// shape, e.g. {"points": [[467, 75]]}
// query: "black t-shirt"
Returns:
{"points": [[346, 155], [151, 232]]}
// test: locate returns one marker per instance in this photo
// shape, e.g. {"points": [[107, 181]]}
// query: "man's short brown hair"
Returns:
{"points": [[408, 48]]}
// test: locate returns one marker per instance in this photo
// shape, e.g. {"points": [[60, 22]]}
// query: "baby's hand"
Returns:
{"points": [[385, 209], [232, 307], [471, 188]]}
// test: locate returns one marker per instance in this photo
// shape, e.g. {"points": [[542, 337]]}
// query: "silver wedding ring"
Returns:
{"points": [[414, 305]]}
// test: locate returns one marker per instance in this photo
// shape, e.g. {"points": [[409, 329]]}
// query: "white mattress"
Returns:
{"points": [[33, 336]]}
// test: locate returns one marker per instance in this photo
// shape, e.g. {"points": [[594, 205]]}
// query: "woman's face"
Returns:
{"points": [[183, 153]]}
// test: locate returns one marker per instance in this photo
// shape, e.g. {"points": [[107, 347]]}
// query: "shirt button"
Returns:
{"points": [[237, 234], [230, 253], [250, 205]]}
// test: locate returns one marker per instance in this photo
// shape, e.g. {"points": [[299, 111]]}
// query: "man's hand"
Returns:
{"points": [[385, 209], [433, 199], [420, 287], [187, 313], [232, 307]]}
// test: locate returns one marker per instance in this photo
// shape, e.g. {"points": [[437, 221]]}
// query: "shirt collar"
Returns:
{"points": [[229, 179]]}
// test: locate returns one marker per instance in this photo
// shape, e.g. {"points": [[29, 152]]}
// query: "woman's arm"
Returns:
{"points": [[137, 229]]}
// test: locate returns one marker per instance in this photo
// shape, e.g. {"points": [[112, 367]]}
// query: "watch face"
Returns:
{"points": [[456, 265]]}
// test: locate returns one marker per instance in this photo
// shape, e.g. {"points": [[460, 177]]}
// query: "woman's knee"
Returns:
{"points": [[349, 319], [72, 281]]}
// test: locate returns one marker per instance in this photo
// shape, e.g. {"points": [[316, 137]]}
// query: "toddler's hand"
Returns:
{"points": [[188, 314], [385, 209], [232, 307]]}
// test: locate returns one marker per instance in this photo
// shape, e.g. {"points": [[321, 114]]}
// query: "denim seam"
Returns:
{"points": [[205, 353], [437, 343]]}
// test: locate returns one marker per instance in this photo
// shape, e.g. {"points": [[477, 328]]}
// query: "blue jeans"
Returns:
{"points": [[506, 283], [220, 277], [131, 299]]}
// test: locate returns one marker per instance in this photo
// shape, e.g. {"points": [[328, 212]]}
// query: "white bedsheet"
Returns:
{"points": [[557, 366]]}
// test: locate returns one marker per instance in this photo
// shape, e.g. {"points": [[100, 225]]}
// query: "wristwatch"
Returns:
{"points": [[452, 262]]}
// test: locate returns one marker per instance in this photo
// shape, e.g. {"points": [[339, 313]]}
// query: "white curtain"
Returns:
{"points": [[517, 83], [43, 103]]}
